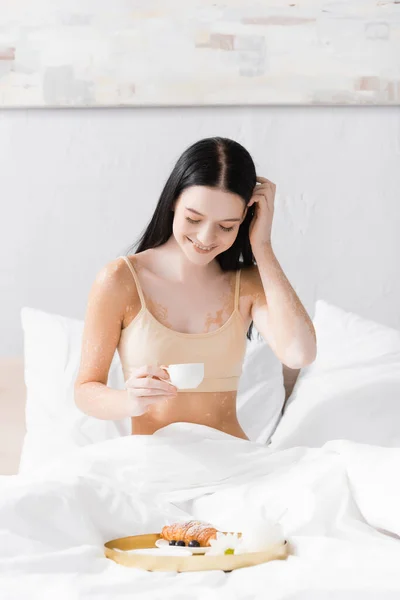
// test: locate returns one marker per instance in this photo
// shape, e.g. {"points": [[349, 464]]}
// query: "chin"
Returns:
{"points": [[199, 259]]}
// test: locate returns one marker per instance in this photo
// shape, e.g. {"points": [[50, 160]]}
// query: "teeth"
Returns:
{"points": [[201, 247]]}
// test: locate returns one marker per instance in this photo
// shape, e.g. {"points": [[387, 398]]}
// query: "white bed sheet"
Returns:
{"points": [[342, 518]]}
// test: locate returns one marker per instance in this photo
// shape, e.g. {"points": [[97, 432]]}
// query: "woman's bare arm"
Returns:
{"points": [[279, 315], [109, 296]]}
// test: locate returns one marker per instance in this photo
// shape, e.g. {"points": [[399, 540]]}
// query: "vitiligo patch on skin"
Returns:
{"points": [[284, 323], [215, 321], [214, 409], [163, 313], [160, 312], [248, 288]]}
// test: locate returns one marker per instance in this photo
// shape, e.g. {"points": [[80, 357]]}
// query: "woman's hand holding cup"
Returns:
{"points": [[149, 385]]}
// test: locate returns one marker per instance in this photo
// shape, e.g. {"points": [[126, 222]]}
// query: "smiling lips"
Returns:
{"points": [[201, 248]]}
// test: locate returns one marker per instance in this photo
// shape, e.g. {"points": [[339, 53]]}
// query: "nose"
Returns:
{"points": [[206, 236]]}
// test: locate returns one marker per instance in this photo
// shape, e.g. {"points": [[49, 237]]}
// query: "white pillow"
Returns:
{"points": [[52, 350], [261, 394], [351, 391]]}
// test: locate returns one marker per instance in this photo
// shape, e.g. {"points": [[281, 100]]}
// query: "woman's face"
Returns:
{"points": [[206, 221]]}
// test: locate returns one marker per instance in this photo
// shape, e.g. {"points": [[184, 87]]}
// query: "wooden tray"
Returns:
{"points": [[196, 562]]}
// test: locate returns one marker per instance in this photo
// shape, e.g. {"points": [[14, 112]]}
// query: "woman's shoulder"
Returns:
{"points": [[116, 278], [249, 273], [140, 259], [118, 266], [113, 271], [115, 282], [250, 280]]}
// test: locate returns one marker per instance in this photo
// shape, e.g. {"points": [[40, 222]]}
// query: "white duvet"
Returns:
{"points": [[342, 517]]}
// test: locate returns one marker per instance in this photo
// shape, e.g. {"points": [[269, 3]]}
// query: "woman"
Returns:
{"points": [[203, 272]]}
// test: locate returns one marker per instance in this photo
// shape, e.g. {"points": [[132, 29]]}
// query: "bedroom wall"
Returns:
{"points": [[78, 186]]}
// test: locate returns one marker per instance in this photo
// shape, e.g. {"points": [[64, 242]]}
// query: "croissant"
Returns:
{"points": [[188, 531]]}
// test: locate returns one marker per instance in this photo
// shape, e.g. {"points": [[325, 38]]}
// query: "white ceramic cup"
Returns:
{"points": [[186, 375]]}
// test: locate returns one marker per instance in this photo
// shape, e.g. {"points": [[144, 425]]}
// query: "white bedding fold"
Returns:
{"points": [[341, 516]]}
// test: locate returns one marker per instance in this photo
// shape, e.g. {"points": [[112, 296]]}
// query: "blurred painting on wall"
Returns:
{"points": [[94, 53]]}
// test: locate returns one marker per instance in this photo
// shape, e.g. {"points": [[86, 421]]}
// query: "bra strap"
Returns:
{"points": [[237, 289], [136, 278]]}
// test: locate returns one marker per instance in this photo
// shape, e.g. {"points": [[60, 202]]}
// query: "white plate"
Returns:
{"points": [[164, 551], [199, 550]]}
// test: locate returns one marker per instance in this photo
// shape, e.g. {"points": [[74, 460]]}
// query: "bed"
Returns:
{"points": [[325, 463]]}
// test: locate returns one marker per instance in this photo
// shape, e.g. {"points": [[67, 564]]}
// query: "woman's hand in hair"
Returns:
{"points": [[263, 199], [148, 385]]}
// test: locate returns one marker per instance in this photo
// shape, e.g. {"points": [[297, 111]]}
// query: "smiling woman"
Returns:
{"points": [[210, 231], [187, 295]]}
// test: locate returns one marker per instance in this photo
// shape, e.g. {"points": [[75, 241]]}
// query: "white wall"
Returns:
{"points": [[78, 186]]}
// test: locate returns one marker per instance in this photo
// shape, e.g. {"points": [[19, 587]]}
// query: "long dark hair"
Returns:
{"points": [[215, 162]]}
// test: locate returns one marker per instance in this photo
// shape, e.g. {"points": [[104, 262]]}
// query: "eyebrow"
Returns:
{"points": [[201, 215]]}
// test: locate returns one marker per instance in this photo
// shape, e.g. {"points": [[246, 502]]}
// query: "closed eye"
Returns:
{"points": [[222, 227]]}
